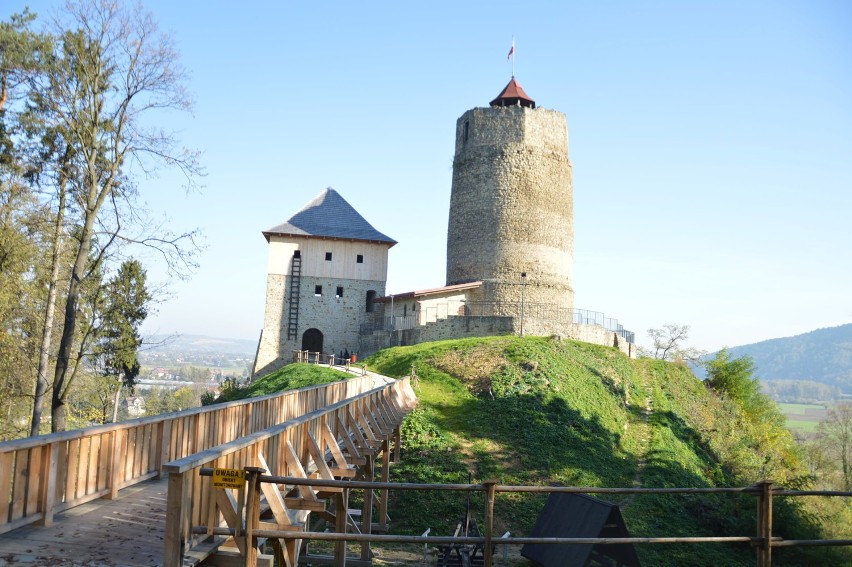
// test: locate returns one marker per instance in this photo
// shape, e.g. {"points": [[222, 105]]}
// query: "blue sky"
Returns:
{"points": [[711, 145]]}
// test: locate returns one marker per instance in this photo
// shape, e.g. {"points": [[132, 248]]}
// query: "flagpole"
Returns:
{"points": [[513, 57]]}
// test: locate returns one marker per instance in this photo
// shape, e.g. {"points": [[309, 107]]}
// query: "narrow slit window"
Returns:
{"points": [[359, 258], [339, 291], [328, 256], [317, 290]]}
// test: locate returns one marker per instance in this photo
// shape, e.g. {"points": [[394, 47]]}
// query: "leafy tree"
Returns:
{"points": [[735, 378], [111, 69], [835, 434], [166, 400], [125, 308], [21, 53], [668, 344]]}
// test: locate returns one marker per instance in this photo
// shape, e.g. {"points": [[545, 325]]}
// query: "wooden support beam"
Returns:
{"points": [[354, 453], [383, 509], [341, 505], [317, 456], [295, 468], [330, 442], [230, 512], [367, 510], [274, 499]]}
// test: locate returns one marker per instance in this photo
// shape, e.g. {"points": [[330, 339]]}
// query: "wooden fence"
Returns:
{"points": [[42, 476], [764, 541], [350, 432]]}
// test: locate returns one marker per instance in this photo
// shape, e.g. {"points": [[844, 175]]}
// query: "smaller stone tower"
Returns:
{"points": [[326, 265], [511, 206]]}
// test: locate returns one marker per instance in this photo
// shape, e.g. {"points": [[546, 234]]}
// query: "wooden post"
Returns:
{"points": [[252, 513], [367, 507], [490, 493], [397, 442], [177, 515], [247, 419], [340, 514], [50, 464], [764, 523], [383, 505], [165, 444]]}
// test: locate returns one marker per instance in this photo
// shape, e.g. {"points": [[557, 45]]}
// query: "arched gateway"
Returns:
{"points": [[312, 340]]}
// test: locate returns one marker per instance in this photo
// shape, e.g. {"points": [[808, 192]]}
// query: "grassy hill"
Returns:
{"points": [[287, 377], [541, 411]]}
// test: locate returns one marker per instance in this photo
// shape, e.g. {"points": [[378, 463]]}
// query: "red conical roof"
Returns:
{"points": [[513, 95]]}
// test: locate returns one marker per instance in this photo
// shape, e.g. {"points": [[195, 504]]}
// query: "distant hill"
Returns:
{"points": [[198, 344], [823, 356]]}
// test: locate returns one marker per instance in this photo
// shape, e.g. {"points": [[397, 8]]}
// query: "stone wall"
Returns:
{"points": [[464, 327], [511, 206], [338, 318]]}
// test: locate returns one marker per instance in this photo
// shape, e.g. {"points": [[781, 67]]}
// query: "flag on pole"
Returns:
{"points": [[511, 50]]}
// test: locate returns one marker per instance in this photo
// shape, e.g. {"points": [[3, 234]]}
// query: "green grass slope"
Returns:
{"points": [[541, 411], [288, 377]]}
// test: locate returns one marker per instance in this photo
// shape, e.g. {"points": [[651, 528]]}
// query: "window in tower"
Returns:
{"points": [[359, 258], [466, 130], [328, 256], [339, 291], [317, 290]]}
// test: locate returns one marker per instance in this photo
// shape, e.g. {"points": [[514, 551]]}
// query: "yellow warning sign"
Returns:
{"points": [[229, 478]]}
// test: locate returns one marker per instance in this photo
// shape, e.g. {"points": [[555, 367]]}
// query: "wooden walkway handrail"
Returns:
{"points": [[763, 541], [197, 460], [348, 433], [44, 475]]}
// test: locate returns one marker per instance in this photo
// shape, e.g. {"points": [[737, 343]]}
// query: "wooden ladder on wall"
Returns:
{"points": [[295, 288]]}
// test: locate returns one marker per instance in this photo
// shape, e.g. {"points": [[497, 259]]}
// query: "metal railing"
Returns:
{"points": [[541, 311], [763, 540]]}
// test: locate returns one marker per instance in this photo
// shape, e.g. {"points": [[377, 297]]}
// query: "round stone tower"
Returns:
{"points": [[511, 208]]}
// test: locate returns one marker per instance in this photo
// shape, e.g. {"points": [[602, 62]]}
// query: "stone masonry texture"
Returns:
{"points": [[511, 207]]}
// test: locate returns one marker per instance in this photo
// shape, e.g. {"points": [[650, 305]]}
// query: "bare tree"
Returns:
{"points": [[668, 344], [835, 433], [111, 71]]}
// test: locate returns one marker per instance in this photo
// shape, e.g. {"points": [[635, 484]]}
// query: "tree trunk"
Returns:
{"points": [[50, 310], [115, 404], [61, 380]]}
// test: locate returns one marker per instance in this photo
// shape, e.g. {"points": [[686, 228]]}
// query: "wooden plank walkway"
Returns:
{"points": [[125, 532]]}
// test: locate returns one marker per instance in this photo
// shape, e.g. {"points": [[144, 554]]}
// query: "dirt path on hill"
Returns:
{"points": [[644, 435]]}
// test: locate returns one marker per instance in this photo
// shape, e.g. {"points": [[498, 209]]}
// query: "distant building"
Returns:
{"points": [[326, 266], [134, 406]]}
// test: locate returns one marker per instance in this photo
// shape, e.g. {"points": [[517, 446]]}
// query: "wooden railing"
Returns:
{"points": [[764, 541], [42, 476], [349, 431]]}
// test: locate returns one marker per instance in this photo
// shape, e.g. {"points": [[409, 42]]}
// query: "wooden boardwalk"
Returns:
{"points": [[125, 532]]}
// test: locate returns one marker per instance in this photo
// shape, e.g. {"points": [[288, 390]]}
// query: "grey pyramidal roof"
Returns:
{"points": [[328, 215]]}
